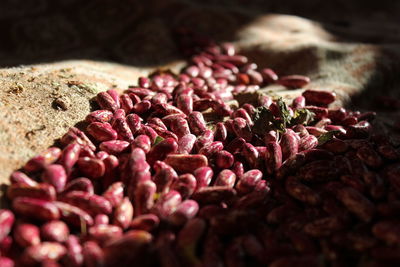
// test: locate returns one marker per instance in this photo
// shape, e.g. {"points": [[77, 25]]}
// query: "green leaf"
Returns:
{"points": [[323, 138], [157, 140], [284, 111], [263, 121], [302, 116]]}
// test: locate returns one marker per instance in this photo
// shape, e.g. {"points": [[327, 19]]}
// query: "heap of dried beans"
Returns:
{"points": [[173, 173]]}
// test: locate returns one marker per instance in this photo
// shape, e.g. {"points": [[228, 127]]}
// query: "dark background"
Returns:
{"points": [[37, 31]]}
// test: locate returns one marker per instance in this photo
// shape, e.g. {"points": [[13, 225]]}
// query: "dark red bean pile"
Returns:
{"points": [[173, 173]]}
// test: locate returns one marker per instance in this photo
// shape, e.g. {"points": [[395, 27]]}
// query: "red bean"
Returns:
{"points": [[248, 181], [165, 175], [274, 157], [105, 101], [144, 197], [43, 159], [102, 131], [197, 123], [318, 97], [90, 167], [225, 178], [40, 191], [294, 81], [56, 231], [18, 177], [185, 185], [224, 159]]}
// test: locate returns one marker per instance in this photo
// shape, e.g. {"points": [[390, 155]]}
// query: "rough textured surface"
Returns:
{"points": [[354, 56]]}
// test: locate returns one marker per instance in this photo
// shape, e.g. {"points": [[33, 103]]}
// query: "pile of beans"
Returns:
{"points": [[173, 173]]}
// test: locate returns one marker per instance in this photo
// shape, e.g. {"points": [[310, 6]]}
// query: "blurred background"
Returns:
{"points": [[137, 32]]}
